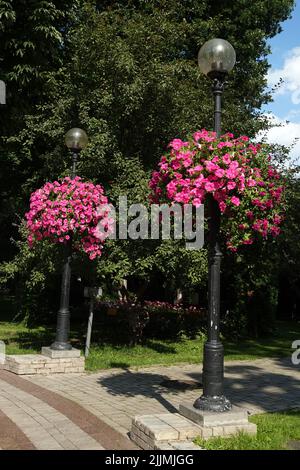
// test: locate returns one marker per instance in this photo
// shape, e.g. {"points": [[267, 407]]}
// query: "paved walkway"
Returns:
{"points": [[94, 410], [33, 417]]}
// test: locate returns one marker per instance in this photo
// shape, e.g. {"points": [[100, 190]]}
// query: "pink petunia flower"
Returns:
{"points": [[235, 201]]}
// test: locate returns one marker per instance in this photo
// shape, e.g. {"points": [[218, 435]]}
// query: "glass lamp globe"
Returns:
{"points": [[76, 139], [216, 57]]}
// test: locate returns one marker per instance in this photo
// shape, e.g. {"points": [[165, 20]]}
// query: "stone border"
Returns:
{"points": [[49, 362], [156, 432], [171, 431]]}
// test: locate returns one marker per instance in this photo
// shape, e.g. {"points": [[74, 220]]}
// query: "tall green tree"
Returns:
{"points": [[33, 37], [126, 71]]}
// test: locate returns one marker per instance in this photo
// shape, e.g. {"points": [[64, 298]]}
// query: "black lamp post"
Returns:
{"points": [[75, 139], [216, 58]]}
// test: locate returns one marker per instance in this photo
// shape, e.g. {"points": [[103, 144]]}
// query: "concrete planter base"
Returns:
{"points": [[47, 363], [176, 432]]}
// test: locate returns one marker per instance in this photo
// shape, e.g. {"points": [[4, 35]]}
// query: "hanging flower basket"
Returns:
{"points": [[70, 209], [237, 173]]}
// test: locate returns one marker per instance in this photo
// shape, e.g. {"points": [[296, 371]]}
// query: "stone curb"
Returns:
{"points": [[171, 431], [60, 362]]}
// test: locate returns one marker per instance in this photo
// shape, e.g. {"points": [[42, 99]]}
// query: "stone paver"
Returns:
{"points": [[116, 396], [24, 364], [95, 410], [293, 445], [45, 427], [154, 431], [36, 418], [157, 431], [11, 436]]}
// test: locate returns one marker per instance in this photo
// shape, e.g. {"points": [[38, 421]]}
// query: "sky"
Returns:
{"points": [[285, 64]]}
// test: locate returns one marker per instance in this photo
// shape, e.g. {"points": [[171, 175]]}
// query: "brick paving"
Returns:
{"points": [[95, 410], [43, 425], [11, 436], [50, 421], [116, 396]]}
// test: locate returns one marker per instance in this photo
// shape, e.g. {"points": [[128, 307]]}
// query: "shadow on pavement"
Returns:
{"points": [[261, 386]]}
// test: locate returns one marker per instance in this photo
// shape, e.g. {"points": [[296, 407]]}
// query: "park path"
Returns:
{"points": [[32, 417], [94, 410]]}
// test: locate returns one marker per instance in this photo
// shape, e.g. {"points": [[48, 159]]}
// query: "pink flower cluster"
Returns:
{"points": [[70, 209], [236, 172]]}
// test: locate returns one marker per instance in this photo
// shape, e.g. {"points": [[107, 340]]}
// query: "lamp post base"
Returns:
{"points": [[218, 404], [61, 342], [61, 346]]}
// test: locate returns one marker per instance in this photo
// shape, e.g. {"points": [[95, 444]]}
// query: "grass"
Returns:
{"points": [[190, 350], [274, 431], [152, 352], [20, 339]]}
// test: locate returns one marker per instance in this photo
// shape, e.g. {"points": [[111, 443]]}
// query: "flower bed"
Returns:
{"points": [[132, 322]]}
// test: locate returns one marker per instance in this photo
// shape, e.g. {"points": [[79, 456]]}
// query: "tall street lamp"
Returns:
{"points": [[75, 139], [216, 58]]}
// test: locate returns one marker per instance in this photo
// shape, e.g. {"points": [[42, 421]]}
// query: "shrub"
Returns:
{"points": [[131, 323]]}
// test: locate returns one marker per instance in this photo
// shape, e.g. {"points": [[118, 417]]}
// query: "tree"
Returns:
{"points": [[33, 35], [126, 72]]}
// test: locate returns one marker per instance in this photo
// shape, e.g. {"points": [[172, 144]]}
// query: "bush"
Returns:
{"points": [[130, 323]]}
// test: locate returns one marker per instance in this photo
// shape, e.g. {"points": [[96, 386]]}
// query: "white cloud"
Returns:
{"points": [[284, 133], [290, 73]]}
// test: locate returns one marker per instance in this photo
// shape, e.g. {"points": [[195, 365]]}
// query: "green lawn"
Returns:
{"points": [[21, 340], [274, 431]]}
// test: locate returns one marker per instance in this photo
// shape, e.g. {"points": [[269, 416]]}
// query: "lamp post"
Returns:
{"points": [[216, 58], [75, 139]]}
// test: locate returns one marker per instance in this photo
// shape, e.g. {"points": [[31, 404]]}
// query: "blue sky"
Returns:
{"points": [[285, 64]]}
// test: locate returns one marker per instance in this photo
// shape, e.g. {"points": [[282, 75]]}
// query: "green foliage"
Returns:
{"points": [[133, 322], [33, 36], [289, 246], [126, 72], [106, 352], [250, 283], [33, 278]]}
